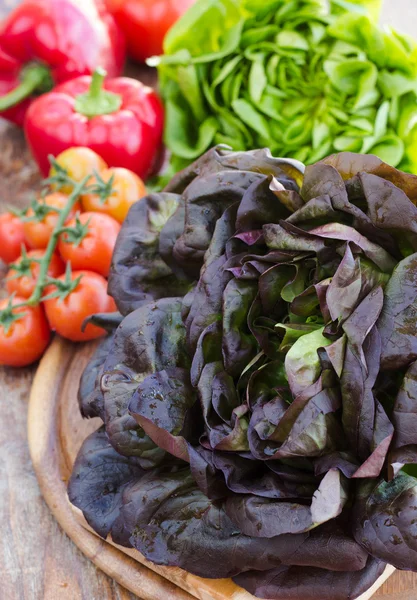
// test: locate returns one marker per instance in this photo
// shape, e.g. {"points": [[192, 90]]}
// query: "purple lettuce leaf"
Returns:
{"points": [[238, 344], [404, 415], [325, 180], [309, 583], [330, 547], [138, 273], [219, 158], [265, 517], [259, 206], [149, 340], [90, 394], [349, 164], [98, 479], [162, 405], [385, 522], [269, 480], [210, 162], [206, 199], [389, 207], [307, 428], [398, 323], [366, 425], [174, 523], [338, 232], [226, 422], [206, 301], [287, 171]]}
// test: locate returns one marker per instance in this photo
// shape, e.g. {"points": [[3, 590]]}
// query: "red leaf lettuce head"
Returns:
{"points": [[259, 398]]}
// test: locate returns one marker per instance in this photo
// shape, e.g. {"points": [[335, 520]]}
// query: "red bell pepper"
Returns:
{"points": [[121, 119], [46, 42]]}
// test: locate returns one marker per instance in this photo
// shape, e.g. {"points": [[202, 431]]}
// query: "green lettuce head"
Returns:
{"points": [[290, 75]]}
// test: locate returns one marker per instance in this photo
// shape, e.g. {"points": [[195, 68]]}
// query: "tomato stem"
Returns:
{"points": [[78, 189], [103, 189], [8, 315]]}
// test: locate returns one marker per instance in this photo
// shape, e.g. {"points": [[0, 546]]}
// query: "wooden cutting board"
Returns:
{"points": [[56, 431]]}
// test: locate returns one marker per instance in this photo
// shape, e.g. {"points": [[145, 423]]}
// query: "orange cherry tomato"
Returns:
{"points": [[12, 237], [24, 273], [24, 340], [67, 315], [93, 251], [128, 189], [79, 162], [38, 233]]}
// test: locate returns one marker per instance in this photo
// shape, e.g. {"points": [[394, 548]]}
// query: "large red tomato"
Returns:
{"points": [[145, 23], [66, 315]]}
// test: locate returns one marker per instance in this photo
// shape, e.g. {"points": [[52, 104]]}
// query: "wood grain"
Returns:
{"points": [[56, 431]]}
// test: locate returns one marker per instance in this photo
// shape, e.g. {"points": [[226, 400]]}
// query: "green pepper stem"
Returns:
{"points": [[97, 101], [46, 259], [33, 78], [96, 85]]}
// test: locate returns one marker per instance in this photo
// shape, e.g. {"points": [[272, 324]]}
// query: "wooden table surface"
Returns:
{"points": [[37, 560]]}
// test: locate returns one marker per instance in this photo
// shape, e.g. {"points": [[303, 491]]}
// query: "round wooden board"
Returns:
{"points": [[56, 431]]}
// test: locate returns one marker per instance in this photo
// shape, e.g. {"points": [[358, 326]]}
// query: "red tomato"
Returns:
{"points": [[38, 233], [128, 189], [145, 23], [22, 280], [27, 337], [95, 250], [67, 315], [12, 237]]}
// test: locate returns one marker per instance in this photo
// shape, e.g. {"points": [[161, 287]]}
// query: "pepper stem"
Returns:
{"points": [[34, 78], [97, 80], [97, 101]]}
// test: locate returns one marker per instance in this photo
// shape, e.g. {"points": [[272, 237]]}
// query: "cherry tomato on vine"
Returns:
{"points": [[24, 273], [79, 162], [127, 188], [24, 333], [67, 313], [12, 237], [90, 245], [145, 23], [38, 233]]}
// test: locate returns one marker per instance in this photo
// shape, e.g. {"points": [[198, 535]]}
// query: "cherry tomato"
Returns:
{"points": [[145, 23], [38, 233], [79, 162], [128, 189], [12, 237], [94, 251], [22, 280], [26, 338], [67, 315]]}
